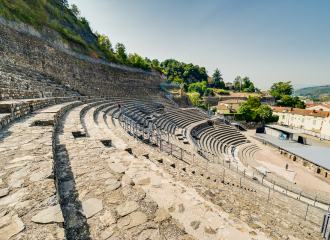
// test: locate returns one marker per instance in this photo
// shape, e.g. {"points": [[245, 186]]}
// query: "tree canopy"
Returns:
{"points": [[278, 90], [288, 101], [216, 83], [188, 72], [252, 110]]}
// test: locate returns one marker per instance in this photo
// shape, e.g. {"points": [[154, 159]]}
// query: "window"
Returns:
{"points": [[283, 117], [291, 118], [303, 120], [314, 122]]}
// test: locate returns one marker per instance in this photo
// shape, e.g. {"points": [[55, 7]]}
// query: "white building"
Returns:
{"points": [[302, 118]]}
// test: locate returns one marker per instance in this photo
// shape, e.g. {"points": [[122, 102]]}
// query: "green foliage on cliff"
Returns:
{"points": [[74, 28]]}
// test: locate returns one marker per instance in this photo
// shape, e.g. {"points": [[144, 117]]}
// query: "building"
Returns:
{"points": [[222, 108], [229, 85], [233, 104], [308, 101], [264, 92], [325, 130], [301, 118], [319, 107]]}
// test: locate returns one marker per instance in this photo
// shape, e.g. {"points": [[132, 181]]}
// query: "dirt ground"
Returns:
{"points": [[304, 176]]}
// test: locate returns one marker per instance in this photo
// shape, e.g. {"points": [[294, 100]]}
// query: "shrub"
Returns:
{"points": [[222, 92], [209, 91]]}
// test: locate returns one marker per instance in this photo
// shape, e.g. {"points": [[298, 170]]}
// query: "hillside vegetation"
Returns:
{"points": [[314, 92], [77, 34]]}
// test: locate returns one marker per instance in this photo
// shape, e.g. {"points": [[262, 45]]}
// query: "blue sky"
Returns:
{"points": [[268, 41]]}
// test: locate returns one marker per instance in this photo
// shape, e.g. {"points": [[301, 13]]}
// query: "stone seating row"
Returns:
{"points": [[28, 190], [242, 203], [16, 108], [101, 182], [220, 140], [17, 83]]}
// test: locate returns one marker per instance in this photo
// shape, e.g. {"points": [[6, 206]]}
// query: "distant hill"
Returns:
{"points": [[314, 92]]}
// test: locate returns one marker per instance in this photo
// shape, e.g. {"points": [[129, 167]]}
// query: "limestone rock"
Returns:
{"points": [[127, 180], [107, 234], [21, 173], [145, 181], [43, 174], [195, 224], [114, 186], [26, 158], [122, 222], [161, 214], [10, 225], [117, 167], [14, 197], [108, 218], [111, 181], [150, 234], [3, 212], [127, 207], [60, 234], [137, 218], [91, 207], [4, 192], [49, 215], [16, 184]]}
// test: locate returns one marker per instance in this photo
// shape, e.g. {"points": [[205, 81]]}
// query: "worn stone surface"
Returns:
{"points": [[10, 225], [127, 207], [145, 181], [49, 215], [91, 207], [4, 192], [161, 214]]}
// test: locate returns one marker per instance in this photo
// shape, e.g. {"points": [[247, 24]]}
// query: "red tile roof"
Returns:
{"points": [[316, 113]]}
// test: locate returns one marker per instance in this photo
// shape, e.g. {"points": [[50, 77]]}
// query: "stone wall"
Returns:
{"points": [[83, 76]]}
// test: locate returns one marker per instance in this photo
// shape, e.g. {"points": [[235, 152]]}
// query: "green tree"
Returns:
{"points": [[106, 47], [64, 3], [194, 87], [155, 62], [214, 109], [246, 82], [121, 53], [253, 102], [278, 90], [265, 113], [238, 83], [288, 101], [75, 10], [189, 72], [251, 88], [248, 113], [178, 80], [216, 79], [194, 98]]}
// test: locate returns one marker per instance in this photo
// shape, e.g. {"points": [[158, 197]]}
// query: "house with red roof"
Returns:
{"points": [[302, 118]]}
